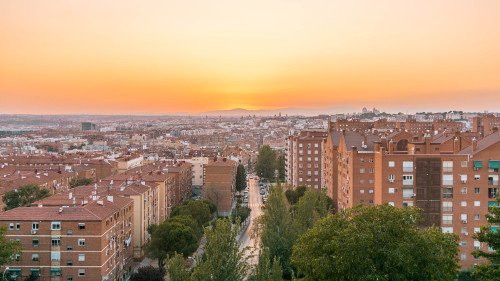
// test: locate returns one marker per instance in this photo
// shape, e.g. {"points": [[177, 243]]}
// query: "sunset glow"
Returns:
{"points": [[193, 56]]}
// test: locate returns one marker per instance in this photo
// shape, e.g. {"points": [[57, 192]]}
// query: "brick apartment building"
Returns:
{"points": [[486, 124], [304, 156], [144, 195], [220, 184], [91, 241], [453, 189]]}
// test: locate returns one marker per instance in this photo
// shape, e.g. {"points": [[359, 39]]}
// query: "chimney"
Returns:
{"points": [[390, 147], [427, 140], [474, 144]]}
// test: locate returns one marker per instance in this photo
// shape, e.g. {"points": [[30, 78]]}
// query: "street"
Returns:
{"points": [[254, 202]]}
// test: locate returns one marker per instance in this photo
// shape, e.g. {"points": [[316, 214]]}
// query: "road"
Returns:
{"points": [[254, 202]]}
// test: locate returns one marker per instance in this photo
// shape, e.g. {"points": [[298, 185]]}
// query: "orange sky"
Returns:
{"points": [[171, 56]]}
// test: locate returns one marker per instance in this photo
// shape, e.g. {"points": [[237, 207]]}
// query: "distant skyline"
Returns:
{"points": [[164, 57]]}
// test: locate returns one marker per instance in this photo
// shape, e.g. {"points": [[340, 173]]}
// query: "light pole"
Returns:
{"points": [[3, 275]]}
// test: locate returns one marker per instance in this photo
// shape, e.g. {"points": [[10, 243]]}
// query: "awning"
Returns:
{"points": [[35, 269], [478, 164], [407, 187], [494, 228], [493, 165], [14, 269], [492, 204], [55, 269]]}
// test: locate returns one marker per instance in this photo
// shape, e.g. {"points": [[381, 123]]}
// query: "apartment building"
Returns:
{"points": [[303, 157], [92, 241], [144, 195], [486, 124], [453, 189], [220, 184], [197, 172]]}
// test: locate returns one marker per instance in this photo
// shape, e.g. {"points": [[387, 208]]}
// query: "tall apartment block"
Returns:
{"points": [[220, 184], [304, 156], [486, 124], [92, 241]]}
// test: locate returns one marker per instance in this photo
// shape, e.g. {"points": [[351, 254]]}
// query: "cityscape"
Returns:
{"points": [[249, 140]]}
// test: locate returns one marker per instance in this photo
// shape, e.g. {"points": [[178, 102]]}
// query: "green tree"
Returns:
{"points": [[266, 162], [276, 230], [491, 236], [24, 196], [32, 277], [7, 247], [280, 165], [241, 178], [375, 243], [188, 221], [170, 237], [199, 210], [211, 206], [242, 213], [74, 182], [267, 269], [293, 195], [148, 273], [176, 268], [224, 260]]}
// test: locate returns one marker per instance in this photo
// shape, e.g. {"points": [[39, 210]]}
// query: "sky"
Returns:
{"points": [[129, 57]]}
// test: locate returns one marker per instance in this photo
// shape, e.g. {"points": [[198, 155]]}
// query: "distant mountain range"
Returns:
{"points": [[272, 112]]}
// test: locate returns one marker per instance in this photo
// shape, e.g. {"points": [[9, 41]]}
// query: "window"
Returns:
{"points": [[391, 163], [300, 179], [371, 170], [55, 272], [463, 217], [308, 159], [362, 160], [477, 203], [493, 180], [407, 179], [70, 232], [463, 204], [371, 160], [447, 179], [391, 190], [447, 229], [69, 278], [371, 201], [370, 191], [362, 191], [477, 177], [81, 257], [476, 229], [315, 145], [362, 170], [407, 192], [463, 243], [81, 272], [447, 206], [300, 145], [391, 177], [34, 226], [81, 242], [447, 166], [34, 257], [56, 241], [463, 257], [477, 216], [407, 204], [407, 166], [69, 248], [391, 203], [448, 192], [463, 163], [464, 190], [464, 230], [477, 190], [11, 226], [477, 245], [55, 256], [69, 262], [56, 226], [463, 178], [34, 242], [447, 219]]}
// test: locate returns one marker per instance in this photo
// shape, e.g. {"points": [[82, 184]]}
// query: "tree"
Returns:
{"points": [[188, 221], [79, 182], [148, 273], [267, 269], [375, 243], [24, 196], [266, 163], [224, 260], [176, 268], [170, 237], [276, 230], [242, 213], [241, 178], [211, 206], [7, 247], [293, 196], [32, 277], [280, 165], [199, 210], [491, 236]]}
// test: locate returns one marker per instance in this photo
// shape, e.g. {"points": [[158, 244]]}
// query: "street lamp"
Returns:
{"points": [[3, 275]]}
